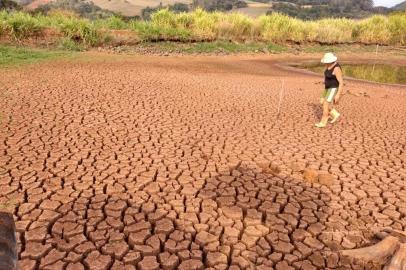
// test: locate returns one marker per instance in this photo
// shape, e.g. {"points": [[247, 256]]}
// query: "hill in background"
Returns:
{"points": [[9, 5], [401, 6], [303, 9]]}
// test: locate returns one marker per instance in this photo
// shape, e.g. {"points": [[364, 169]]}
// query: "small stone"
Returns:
{"points": [[252, 231], [203, 238], [299, 235], [148, 263], [116, 249], [283, 247], [191, 264], [313, 242], [97, 261], [214, 258], [27, 264], [276, 257], [75, 266], [315, 229], [283, 265], [249, 240], [164, 226], [52, 257], [303, 249], [35, 250], [241, 262], [231, 232], [132, 257], [233, 212], [317, 260], [168, 261]]}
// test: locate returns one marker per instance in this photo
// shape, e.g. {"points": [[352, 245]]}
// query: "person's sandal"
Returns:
{"points": [[336, 115], [321, 125]]}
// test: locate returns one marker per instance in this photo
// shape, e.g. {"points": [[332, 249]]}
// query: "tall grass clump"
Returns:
{"points": [[373, 30], [202, 24], [236, 26], [3, 22], [77, 29], [330, 31], [113, 22], [20, 24], [397, 28], [280, 28], [163, 25]]}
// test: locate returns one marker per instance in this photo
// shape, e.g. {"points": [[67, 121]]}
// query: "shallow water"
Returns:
{"points": [[381, 73]]}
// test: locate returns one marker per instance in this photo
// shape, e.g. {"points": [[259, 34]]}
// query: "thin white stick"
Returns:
{"points": [[280, 96], [376, 55]]}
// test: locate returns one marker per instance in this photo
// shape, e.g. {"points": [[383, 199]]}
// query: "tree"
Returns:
{"points": [[366, 4]]}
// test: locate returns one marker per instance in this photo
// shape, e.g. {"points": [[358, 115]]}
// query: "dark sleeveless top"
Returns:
{"points": [[330, 80]]}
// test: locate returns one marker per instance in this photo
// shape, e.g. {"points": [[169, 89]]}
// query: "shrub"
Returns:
{"points": [[372, 30], [279, 28], [235, 26], [77, 29], [21, 25], [70, 45], [113, 22], [397, 28], [330, 31]]}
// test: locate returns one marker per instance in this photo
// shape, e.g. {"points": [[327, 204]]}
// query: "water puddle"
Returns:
{"points": [[381, 73]]}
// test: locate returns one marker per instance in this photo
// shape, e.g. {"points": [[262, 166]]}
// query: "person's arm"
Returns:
{"points": [[339, 74]]}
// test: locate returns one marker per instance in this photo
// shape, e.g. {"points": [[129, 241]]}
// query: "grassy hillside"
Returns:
{"points": [[400, 6], [9, 5], [124, 7], [304, 9], [81, 8], [255, 9]]}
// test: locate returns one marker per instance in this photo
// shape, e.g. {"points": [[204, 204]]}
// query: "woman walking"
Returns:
{"points": [[333, 81]]}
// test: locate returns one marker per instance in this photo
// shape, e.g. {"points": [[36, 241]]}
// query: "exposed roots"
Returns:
{"points": [[398, 261], [378, 253], [391, 251]]}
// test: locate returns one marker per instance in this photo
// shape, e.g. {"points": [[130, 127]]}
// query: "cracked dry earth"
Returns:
{"points": [[155, 163]]}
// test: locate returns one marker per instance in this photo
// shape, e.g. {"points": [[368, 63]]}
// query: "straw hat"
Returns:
{"points": [[329, 58]]}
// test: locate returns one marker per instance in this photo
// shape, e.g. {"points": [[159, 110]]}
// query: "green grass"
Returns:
{"points": [[232, 47], [222, 46], [382, 73], [214, 47], [10, 55]]}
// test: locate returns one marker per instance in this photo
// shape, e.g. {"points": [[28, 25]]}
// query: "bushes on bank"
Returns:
{"points": [[199, 25]]}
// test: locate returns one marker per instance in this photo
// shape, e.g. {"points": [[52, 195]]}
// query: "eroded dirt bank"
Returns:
{"points": [[155, 162]]}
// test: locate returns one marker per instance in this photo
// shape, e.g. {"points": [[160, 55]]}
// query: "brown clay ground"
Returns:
{"points": [[154, 163]]}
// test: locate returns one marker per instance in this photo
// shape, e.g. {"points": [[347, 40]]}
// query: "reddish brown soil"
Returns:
{"points": [[141, 162]]}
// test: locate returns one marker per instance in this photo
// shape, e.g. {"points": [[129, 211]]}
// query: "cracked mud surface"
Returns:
{"points": [[155, 163]]}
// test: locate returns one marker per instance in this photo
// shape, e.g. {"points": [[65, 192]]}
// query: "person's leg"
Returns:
{"points": [[335, 115], [324, 118]]}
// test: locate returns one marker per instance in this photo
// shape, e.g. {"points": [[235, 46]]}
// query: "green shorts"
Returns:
{"points": [[329, 94]]}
